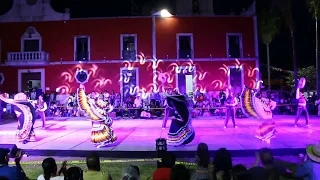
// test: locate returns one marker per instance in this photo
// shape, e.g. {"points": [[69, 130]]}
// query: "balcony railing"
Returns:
{"points": [[28, 58], [185, 53], [129, 54]]}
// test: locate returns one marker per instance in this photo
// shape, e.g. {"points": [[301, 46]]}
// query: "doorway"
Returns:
{"points": [[129, 84], [184, 80], [31, 78]]}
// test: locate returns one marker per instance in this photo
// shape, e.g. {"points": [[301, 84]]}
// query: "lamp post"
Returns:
{"points": [[165, 14]]}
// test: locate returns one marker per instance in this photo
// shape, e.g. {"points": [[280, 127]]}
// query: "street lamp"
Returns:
{"points": [[165, 14]]}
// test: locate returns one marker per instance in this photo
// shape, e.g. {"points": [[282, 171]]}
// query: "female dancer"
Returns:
{"points": [[181, 131], [260, 108], [98, 110], [26, 114]]}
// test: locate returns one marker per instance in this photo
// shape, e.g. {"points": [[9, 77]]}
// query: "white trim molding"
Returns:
{"points": [[121, 79], [191, 44], [135, 43], [75, 47], [42, 71], [181, 68], [256, 46], [242, 74], [240, 43], [31, 34]]}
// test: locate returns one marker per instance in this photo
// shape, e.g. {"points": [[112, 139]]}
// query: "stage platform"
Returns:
{"points": [[136, 137]]}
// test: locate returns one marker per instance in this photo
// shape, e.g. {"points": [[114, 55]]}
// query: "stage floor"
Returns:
{"points": [[136, 135]]}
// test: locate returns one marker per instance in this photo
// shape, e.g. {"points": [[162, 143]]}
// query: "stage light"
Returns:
{"points": [[165, 13], [161, 146]]}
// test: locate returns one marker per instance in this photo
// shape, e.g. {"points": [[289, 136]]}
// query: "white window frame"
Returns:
{"points": [[240, 43], [42, 71], [242, 74], [121, 78], [193, 75], [178, 44], [135, 43], [75, 47], [35, 36]]}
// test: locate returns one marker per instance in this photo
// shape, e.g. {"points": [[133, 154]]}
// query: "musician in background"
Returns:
{"points": [[41, 107], [230, 102]]}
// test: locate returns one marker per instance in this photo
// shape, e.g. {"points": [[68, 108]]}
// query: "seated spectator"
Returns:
{"points": [[179, 172], [203, 171], [167, 161], [10, 172], [222, 164], [131, 173], [50, 168], [94, 169], [309, 167], [239, 172], [74, 173]]}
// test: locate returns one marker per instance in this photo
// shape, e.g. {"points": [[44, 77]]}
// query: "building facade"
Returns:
{"points": [[44, 49]]}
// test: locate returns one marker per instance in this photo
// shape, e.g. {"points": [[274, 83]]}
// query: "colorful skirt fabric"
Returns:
{"points": [[180, 133], [102, 134], [266, 131]]}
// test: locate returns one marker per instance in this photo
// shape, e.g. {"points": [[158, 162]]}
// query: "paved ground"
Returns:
{"points": [[140, 135]]}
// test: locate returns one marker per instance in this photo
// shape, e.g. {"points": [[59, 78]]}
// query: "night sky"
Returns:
{"points": [[280, 50]]}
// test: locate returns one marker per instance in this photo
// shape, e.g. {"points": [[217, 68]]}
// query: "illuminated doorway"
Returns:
{"points": [[185, 79]]}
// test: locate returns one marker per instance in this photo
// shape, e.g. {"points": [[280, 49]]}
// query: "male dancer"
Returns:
{"points": [[230, 103], [41, 107], [302, 103]]}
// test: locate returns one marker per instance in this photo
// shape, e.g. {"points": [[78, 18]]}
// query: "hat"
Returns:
{"points": [[4, 153], [313, 152]]}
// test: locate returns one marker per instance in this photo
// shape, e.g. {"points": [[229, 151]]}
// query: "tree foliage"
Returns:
{"points": [[309, 73], [314, 8], [269, 23]]}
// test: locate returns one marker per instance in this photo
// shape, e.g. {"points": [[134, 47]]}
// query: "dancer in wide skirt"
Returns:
{"points": [[181, 131], [101, 132], [26, 115], [260, 108]]}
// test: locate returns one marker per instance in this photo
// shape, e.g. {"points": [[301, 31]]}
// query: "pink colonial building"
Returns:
{"points": [[42, 48]]}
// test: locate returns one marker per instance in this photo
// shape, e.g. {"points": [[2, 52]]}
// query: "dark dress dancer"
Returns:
{"points": [[259, 108], [26, 115], [302, 103], [181, 131], [230, 102]]}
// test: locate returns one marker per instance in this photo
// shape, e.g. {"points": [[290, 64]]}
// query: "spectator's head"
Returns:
{"points": [[168, 160], [49, 167], [222, 162], [239, 172], [4, 156], [93, 162], [4, 178], [266, 156], [203, 155], [40, 98], [74, 173], [130, 173], [179, 172]]}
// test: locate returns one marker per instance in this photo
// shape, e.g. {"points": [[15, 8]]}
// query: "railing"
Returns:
{"points": [[25, 58], [185, 53], [129, 54]]}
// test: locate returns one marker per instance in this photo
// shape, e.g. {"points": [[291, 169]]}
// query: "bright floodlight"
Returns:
{"points": [[165, 13]]}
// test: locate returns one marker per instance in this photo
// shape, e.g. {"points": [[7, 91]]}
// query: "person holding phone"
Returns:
{"points": [[11, 172]]}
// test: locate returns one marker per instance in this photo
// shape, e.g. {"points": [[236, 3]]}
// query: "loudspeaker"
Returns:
{"points": [[14, 150]]}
